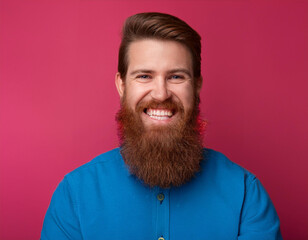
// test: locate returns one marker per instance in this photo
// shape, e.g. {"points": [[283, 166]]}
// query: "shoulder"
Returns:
{"points": [[219, 162], [103, 165], [104, 158], [225, 171]]}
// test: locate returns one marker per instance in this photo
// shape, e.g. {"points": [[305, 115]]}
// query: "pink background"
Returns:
{"points": [[58, 100]]}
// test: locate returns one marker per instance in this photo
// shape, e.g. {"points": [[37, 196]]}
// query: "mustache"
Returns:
{"points": [[166, 104]]}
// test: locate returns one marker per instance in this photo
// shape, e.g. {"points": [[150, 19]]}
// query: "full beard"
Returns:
{"points": [[161, 156]]}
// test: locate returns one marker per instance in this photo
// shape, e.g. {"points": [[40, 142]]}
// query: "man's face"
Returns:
{"points": [[158, 72], [158, 122]]}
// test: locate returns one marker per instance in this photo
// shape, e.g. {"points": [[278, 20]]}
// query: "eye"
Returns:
{"points": [[177, 77], [144, 76]]}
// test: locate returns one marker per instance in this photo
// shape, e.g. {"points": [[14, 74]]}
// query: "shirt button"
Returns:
{"points": [[161, 197], [161, 238]]}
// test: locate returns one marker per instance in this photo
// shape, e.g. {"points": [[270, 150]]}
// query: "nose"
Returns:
{"points": [[160, 90]]}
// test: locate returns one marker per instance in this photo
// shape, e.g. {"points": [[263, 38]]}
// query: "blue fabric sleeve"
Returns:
{"points": [[259, 219], [61, 220]]}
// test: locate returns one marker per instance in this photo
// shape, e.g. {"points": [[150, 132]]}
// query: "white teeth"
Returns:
{"points": [[159, 118], [159, 114]]}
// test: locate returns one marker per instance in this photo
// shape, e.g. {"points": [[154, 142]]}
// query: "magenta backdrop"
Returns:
{"points": [[58, 100]]}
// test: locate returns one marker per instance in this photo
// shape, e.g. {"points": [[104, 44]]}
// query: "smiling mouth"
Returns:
{"points": [[159, 114]]}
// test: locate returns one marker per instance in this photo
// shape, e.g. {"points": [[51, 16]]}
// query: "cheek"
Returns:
{"points": [[135, 94], [186, 96]]}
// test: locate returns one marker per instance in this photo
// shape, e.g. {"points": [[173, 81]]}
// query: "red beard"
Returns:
{"points": [[161, 156]]}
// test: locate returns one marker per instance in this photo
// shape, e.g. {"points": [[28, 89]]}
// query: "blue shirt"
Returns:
{"points": [[102, 200]]}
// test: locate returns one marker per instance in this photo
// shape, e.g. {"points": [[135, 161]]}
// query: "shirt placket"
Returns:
{"points": [[162, 213]]}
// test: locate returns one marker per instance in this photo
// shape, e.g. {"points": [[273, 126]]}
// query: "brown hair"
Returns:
{"points": [[159, 26]]}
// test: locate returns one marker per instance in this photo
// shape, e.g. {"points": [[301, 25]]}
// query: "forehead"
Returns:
{"points": [[158, 55]]}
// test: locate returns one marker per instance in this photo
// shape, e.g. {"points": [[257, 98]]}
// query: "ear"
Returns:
{"points": [[199, 82], [119, 82]]}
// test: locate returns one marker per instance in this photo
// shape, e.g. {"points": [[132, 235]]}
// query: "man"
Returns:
{"points": [[161, 183]]}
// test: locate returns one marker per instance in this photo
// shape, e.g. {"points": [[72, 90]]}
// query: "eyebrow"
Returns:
{"points": [[176, 70], [141, 71]]}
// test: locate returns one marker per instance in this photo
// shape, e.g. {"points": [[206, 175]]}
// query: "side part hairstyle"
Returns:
{"points": [[161, 26]]}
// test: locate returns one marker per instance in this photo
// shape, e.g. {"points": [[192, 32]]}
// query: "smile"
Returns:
{"points": [[159, 114]]}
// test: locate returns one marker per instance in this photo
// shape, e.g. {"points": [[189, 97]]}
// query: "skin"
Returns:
{"points": [[158, 70]]}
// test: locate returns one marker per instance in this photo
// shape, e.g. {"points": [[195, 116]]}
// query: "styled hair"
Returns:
{"points": [[161, 26]]}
